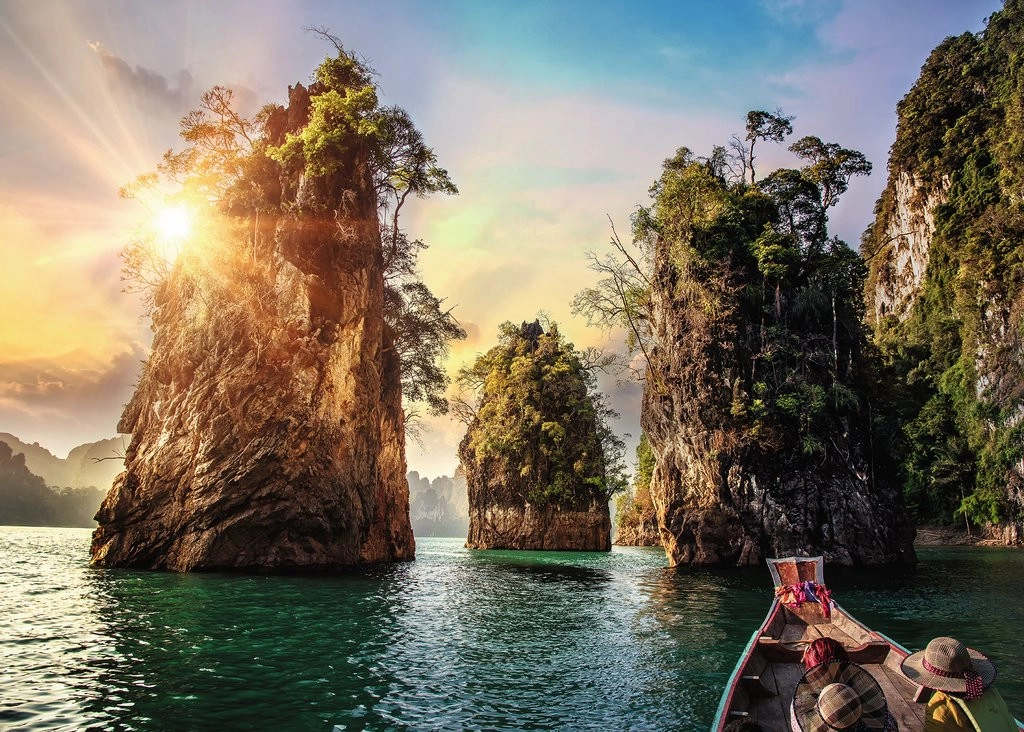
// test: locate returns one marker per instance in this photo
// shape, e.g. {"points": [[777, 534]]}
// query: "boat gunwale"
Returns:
{"points": [[745, 656]]}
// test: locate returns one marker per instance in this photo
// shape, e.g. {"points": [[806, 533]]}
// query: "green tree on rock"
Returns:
{"points": [[232, 170], [540, 419]]}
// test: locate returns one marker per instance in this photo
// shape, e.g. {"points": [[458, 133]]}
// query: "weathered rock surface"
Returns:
{"points": [[267, 427], [637, 522], [902, 256], [724, 495], [525, 526], [645, 534], [945, 289]]}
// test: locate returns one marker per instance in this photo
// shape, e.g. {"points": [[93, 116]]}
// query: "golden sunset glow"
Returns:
{"points": [[541, 160], [173, 224]]}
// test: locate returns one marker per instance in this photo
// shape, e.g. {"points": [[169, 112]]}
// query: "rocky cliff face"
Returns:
{"points": [[636, 520], [755, 399], [267, 428], [944, 261], [725, 492], [639, 533], [533, 459], [901, 256], [498, 524]]}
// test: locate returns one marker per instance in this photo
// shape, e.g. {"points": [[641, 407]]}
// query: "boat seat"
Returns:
{"points": [[775, 651], [873, 651], [755, 686]]}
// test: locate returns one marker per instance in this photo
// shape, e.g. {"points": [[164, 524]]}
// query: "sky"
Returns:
{"points": [[552, 117]]}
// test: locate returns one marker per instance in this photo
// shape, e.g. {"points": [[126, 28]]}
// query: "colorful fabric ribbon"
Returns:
{"points": [[975, 686], [807, 591]]}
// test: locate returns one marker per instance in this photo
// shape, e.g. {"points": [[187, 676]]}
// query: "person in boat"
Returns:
{"points": [[839, 695], [823, 650], [963, 696]]}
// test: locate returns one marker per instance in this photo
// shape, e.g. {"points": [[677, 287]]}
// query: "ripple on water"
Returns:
{"points": [[458, 639]]}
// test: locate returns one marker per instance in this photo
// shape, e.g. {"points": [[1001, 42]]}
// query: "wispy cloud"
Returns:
{"points": [[797, 12], [147, 85], [65, 401]]}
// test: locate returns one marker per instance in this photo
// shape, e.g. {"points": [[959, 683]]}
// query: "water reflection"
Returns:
{"points": [[457, 639]]}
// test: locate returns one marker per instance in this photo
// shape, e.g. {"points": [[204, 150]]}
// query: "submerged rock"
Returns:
{"points": [[267, 427]]}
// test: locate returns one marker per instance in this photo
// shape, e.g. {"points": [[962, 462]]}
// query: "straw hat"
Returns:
{"points": [[946, 664], [838, 696]]}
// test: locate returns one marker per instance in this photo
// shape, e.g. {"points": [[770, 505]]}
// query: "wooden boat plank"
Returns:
{"points": [[769, 713], [799, 633], [900, 693]]}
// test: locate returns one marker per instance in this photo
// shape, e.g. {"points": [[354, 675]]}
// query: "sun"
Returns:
{"points": [[173, 224], [172, 227]]}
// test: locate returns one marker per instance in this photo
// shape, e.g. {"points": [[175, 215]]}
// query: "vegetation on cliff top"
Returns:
{"points": [[956, 361], [540, 417], [767, 300], [237, 175]]}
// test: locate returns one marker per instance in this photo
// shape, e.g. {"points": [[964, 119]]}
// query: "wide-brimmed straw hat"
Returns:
{"points": [[946, 664], [838, 696]]}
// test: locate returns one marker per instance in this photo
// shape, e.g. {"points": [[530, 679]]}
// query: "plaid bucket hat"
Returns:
{"points": [[946, 664], [838, 696]]}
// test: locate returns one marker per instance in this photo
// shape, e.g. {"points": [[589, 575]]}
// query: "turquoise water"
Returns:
{"points": [[457, 639]]}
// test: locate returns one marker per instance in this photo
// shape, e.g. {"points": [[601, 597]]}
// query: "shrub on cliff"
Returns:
{"points": [[239, 175], [772, 306]]}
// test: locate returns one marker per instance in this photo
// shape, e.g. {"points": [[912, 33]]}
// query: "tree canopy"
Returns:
{"points": [[766, 295], [233, 167], [539, 412]]}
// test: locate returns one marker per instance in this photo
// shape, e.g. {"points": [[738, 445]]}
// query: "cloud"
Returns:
{"points": [[60, 290], [66, 401], [796, 12], [151, 88]]}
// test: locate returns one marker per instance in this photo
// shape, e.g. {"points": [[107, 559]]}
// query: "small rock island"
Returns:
{"points": [[540, 463], [267, 427]]}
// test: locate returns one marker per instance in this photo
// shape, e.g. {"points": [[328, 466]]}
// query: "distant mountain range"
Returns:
{"points": [[438, 507], [39, 489], [93, 464]]}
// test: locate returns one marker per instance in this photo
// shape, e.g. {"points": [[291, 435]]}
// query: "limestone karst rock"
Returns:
{"points": [[638, 524], [438, 507], [267, 427], [536, 470], [636, 520], [757, 396], [945, 285], [725, 496]]}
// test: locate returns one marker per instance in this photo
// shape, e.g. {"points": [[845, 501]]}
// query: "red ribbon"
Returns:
{"points": [[975, 687]]}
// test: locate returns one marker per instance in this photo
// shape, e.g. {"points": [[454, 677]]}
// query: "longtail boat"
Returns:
{"points": [[761, 686]]}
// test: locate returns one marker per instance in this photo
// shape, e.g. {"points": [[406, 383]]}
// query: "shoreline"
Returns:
{"points": [[949, 536]]}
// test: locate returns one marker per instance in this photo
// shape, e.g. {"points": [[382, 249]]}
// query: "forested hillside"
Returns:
{"points": [[946, 280]]}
